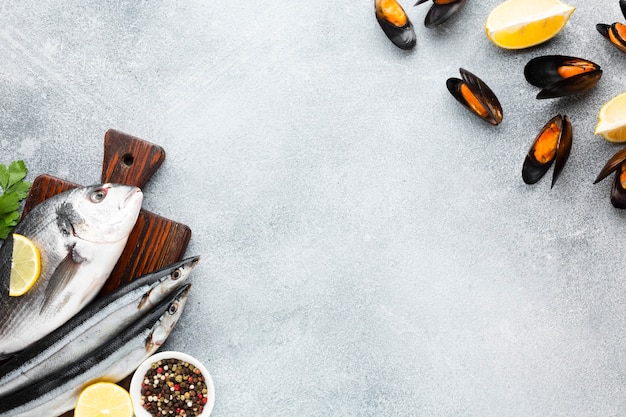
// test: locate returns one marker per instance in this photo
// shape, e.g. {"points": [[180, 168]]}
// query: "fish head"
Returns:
{"points": [[172, 310], [103, 213], [170, 278]]}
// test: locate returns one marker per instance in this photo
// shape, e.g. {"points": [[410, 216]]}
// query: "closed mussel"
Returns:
{"points": [[440, 11], [615, 33], [476, 96], [553, 143], [560, 75], [395, 23], [618, 189]]}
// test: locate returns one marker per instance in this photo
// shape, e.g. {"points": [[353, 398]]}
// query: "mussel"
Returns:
{"points": [[553, 143], [561, 75], [618, 189], [395, 23], [476, 96], [440, 11], [615, 33]]}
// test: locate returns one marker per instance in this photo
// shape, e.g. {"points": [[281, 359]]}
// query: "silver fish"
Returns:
{"points": [[111, 362], [101, 320], [80, 235]]}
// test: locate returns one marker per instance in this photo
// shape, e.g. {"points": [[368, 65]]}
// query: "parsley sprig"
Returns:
{"points": [[14, 190]]}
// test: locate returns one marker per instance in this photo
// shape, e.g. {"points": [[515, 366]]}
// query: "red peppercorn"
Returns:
{"points": [[159, 370]]}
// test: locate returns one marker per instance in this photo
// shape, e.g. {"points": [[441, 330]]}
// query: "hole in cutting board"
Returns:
{"points": [[128, 159]]}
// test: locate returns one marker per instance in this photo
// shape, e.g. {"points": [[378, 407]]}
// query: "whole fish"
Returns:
{"points": [[110, 362], [101, 320], [80, 234]]}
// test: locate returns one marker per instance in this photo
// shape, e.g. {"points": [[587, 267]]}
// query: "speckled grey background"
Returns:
{"points": [[368, 246]]}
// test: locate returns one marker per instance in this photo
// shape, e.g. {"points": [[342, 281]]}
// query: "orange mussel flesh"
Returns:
{"points": [[615, 33], [395, 23], [553, 143], [476, 96], [560, 75]]}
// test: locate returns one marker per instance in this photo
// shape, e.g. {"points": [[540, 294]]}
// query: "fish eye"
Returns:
{"points": [[176, 274], [98, 195], [173, 308]]}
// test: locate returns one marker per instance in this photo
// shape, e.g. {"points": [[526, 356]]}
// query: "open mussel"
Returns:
{"points": [[553, 143], [560, 75], [476, 96], [615, 33], [618, 189], [440, 11], [395, 23]]}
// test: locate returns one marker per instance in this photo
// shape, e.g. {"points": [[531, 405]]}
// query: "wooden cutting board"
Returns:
{"points": [[155, 241]]}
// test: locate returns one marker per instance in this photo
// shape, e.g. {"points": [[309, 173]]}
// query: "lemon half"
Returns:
{"points": [[25, 265], [518, 24], [612, 119], [104, 399]]}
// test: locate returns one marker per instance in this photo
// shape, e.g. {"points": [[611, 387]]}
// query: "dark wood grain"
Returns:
{"points": [[129, 160], [155, 241]]}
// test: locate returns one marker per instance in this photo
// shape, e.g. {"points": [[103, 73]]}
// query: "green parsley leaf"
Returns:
{"points": [[14, 190]]}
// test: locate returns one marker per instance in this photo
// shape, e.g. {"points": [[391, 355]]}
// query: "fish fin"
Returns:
{"points": [[61, 277]]}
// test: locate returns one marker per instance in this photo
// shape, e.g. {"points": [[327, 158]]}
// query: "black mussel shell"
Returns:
{"points": [[618, 193], [563, 149], [615, 33], [544, 72], [533, 170], [615, 164], [622, 5], [612, 165], [491, 108], [441, 11], [603, 28], [402, 36]]}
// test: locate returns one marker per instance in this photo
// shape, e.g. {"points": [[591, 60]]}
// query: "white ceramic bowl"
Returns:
{"points": [[138, 376]]}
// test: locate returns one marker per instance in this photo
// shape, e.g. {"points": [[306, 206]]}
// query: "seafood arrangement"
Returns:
{"points": [[395, 23], [534, 22], [618, 189], [476, 96], [441, 11], [561, 76], [113, 360], [553, 143], [101, 320], [615, 33], [81, 235], [66, 331]]}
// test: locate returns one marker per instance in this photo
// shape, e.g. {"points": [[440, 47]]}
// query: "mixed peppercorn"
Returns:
{"points": [[172, 387]]}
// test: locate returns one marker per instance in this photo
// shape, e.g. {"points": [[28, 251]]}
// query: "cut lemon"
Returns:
{"points": [[517, 24], [104, 399], [612, 119], [25, 265]]}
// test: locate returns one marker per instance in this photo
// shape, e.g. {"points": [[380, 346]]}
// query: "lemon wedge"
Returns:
{"points": [[518, 24], [104, 399], [612, 119], [25, 265]]}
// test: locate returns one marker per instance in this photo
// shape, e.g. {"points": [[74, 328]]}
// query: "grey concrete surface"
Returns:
{"points": [[368, 246]]}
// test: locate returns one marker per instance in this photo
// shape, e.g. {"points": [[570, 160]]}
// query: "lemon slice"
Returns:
{"points": [[25, 265], [517, 24], [612, 119], [104, 399]]}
